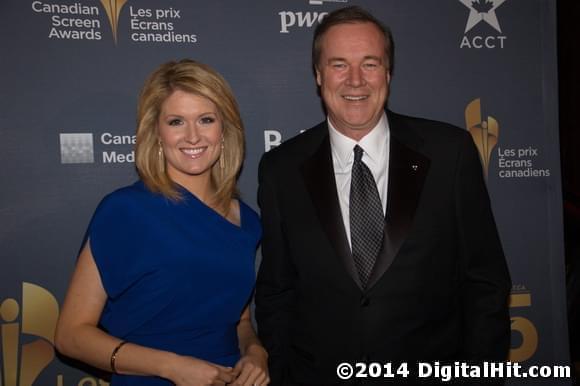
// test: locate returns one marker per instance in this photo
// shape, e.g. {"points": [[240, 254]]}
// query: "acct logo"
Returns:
{"points": [[78, 21], [78, 148], [303, 19], [482, 10], [485, 133], [38, 312]]}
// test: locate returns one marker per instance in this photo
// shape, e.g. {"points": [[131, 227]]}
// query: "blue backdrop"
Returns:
{"points": [[70, 73]]}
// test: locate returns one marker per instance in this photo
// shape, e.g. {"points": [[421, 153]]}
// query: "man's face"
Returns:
{"points": [[353, 76]]}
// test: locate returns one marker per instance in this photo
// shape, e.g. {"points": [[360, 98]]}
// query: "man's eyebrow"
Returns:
{"points": [[367, 57]]}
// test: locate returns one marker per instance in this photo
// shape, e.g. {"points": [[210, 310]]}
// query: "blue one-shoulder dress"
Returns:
{"points": [[177, 274]]}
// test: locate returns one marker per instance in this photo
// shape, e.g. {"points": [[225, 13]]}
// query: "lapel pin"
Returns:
{"points": [[414, 167]]}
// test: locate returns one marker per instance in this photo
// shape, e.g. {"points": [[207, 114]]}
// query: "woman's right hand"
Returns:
{"points": [[188, 371]]}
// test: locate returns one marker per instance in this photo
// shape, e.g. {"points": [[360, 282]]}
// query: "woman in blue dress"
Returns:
{"points": [[160, 291]]}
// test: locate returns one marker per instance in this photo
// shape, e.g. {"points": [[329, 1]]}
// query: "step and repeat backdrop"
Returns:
{"points": [[71, 71]]}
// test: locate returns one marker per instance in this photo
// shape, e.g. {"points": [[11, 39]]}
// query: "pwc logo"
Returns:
{"points": [[303, 19], [36, 315]]}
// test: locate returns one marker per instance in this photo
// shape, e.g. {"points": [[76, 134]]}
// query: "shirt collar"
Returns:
{"points": [[373, 143]]}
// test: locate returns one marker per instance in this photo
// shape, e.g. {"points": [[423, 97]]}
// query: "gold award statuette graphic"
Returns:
{"points": [[113, 9], [485, 133], [38, 315]]}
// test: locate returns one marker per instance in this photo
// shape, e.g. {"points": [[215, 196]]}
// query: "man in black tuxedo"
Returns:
{"points": [[428, 281]]}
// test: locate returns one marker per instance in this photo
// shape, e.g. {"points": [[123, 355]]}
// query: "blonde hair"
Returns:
{"points": [[199, 79]]}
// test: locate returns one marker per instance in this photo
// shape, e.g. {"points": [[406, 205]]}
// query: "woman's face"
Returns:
{"points": [[191, 132]]}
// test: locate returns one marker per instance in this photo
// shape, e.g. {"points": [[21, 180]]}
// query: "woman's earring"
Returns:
{"points": [[222, 161], [160, 156]]}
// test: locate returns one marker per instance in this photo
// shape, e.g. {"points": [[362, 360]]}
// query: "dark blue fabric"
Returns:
{"points": [[177, 274]]}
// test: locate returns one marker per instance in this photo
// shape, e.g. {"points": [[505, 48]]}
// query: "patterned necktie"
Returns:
{"points": [[367, 221]]}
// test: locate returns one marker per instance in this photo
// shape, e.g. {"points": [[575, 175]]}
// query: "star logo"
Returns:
{"points": [[482, 10]]}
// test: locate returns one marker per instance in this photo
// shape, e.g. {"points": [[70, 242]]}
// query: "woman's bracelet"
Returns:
{"points": [[114, 356]]}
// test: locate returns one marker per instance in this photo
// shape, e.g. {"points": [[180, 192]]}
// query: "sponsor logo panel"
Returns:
{"points": [[512, 162], [76, 148]]}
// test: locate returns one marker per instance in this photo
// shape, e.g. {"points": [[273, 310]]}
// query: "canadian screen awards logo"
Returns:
{"points": [[80, 21], [113, 10], [38, 311], [482, 38], [485, 132], [520, 161]]}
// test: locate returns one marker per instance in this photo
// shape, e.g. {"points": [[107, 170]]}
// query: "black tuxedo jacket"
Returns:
{"points": [[439, 288]]}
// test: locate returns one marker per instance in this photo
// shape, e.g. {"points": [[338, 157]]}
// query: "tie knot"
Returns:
{"points": [[358, 153]]}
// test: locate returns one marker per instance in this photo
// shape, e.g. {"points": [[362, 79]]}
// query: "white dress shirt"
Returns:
{"points": [[376, 156]]}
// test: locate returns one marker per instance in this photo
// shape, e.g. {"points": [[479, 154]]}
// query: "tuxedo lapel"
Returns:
{"points": [[408, 169], [318, 174], [407, 172]]}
